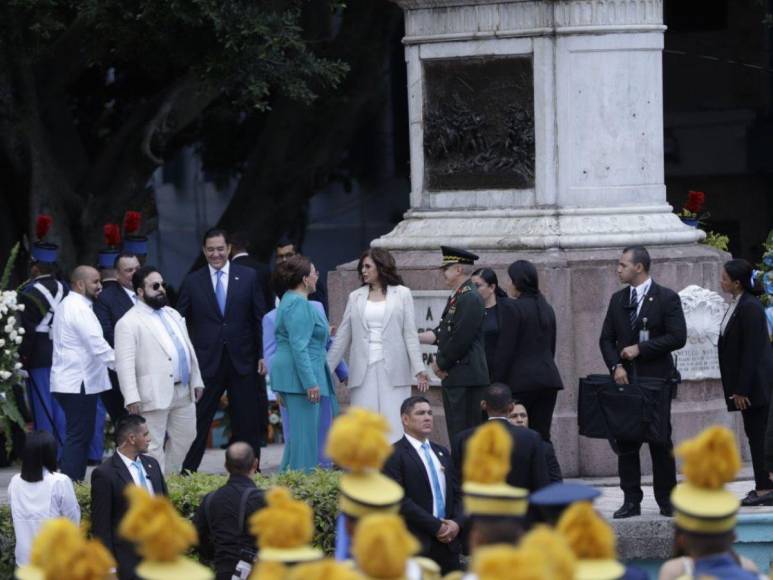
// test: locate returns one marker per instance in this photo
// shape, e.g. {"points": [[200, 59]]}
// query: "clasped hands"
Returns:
{"points": [[441, 374], [448, 531]]}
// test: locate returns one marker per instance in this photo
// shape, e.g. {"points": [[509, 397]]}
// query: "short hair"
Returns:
{"points": [[739, 270], [497, 529], [127, 425], [239, 241], [290, 273], [213, 233], [81, 273], [39, 452], [639, 255], [239, 457], [122, 255], [386, 267], [44, 267], [699, 545], [139, 277], [284, 241], [408, 404], [498, 397]]}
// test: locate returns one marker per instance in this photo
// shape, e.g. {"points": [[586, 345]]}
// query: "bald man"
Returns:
{"points": [[81, 358], [221, 519]]}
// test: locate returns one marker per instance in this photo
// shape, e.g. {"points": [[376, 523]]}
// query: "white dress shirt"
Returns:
{"points": [[641, 292], [728, 314], [438, 469], [34, 503], [374, 320], [163, 335], [131, 294], [224, 278], [81, 353], [135, 474]]}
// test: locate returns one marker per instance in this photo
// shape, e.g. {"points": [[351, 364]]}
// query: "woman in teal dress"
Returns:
{"points": [[299, 371]]}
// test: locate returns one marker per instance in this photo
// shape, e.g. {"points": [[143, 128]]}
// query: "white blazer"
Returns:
{"points": [[402, 355], [143, 359]]}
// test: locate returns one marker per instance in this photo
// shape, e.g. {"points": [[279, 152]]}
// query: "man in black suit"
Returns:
{"points": [[432, 506], [528, 465], [127, 466], [115, 300], [240, 255], [643, 326], [223, 307], [285, 249]]}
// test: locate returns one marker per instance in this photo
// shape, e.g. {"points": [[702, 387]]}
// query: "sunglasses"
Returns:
{"points": [[158, 285]]}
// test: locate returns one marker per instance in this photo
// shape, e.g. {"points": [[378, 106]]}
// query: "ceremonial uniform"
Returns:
{"points": [[461, 352]]}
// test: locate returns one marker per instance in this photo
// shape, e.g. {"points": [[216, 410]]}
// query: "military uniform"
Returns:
{"points": [[461, 352]]}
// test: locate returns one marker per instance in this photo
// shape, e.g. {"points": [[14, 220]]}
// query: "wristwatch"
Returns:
{"points": [[614, 367]]}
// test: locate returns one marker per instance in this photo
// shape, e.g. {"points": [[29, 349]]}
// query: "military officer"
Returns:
{"points": [[461, 359]]}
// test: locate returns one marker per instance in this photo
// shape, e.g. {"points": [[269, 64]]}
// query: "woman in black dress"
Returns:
{"points": [[746, 366], [526, 347], [487, 283]]}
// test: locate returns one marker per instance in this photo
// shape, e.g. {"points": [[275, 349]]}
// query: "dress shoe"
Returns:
{"points": [[760, 499], [627, 510], [750, 498], [667, 511]]}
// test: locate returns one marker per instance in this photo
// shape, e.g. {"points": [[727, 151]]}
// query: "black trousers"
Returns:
{"points": [[540, 405], [663, 470], [444, 557], [755, 422], [80, 412], [244, 409], [112, 399], [462, 408]]}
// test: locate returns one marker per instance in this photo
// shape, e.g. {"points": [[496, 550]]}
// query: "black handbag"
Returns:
{"points": [[639, 411]]}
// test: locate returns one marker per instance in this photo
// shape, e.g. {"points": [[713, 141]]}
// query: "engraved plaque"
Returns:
{"points": [[428, 308], [479, 123], [703, 313]]}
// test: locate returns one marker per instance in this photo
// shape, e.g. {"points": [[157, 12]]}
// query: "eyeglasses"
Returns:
{"points": [[157, 285]]}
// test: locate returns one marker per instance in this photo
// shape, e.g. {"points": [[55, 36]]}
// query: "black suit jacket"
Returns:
{"points": [[263, 277], [745, 354], [108, 506], [111, 304], [36, 349], [662, 308], [406, 468], [235, 334], [524, 358], [528, 464]]}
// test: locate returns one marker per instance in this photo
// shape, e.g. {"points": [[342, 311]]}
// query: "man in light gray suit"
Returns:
{"points": [[158, 371]]}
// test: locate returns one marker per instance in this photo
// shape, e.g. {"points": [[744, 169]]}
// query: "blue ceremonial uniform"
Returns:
{"points": [[721, 566]]}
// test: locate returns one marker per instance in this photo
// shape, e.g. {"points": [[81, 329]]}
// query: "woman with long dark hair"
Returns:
{"points": [[527, 347], [379, 329], [39, 492], [746, 367], [487, 283]]}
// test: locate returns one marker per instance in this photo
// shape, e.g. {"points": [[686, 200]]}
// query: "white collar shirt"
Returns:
{"points": [[224, 277], [81, 355], [641, 292], [163, 334], [439, 469], [131, 294], [728, 314], [135, 474], [239, 255]]}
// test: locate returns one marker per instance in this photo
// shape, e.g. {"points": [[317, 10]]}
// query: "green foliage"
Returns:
{"points": [[319, 489], [5, 280], [715, 240]]}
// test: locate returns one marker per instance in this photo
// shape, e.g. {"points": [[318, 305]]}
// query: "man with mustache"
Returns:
{"points": [[158, 371]]}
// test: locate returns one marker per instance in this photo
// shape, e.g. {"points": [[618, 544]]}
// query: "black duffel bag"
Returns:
{"points": [[640, 411]]}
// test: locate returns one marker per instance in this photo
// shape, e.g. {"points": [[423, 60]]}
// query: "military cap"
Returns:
{"points": [[41, 250], [456, 256], [553, 499]]}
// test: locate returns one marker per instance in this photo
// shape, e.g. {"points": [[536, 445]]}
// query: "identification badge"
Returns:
{"points": [[644, 333]]}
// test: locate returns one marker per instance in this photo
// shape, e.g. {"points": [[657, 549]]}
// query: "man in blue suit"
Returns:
{"points": [[223, 305]]}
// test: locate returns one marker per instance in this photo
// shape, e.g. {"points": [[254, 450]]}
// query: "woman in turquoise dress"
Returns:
{"points": [[299, 371]]}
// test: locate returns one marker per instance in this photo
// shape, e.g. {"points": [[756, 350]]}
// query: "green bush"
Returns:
{"points": [[319, 489]]}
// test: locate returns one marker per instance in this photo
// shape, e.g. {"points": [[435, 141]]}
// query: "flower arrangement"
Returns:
{"points": [[11, 336], [692, 211], [764, 276]]}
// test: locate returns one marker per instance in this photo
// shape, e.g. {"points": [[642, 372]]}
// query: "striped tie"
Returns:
{"points": [[634, 305]]}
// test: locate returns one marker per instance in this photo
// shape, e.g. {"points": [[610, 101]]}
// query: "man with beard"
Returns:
{"points": [[158, 371]]}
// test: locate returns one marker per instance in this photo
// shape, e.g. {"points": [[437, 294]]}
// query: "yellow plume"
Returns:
{"points": [[487, 454], [556, 552], [382, 545], [284, 523], [358, 441], [161, 534], [710, 459], [588, 535], [505, 562], [268, 571], [55, 535], [323, 570]]}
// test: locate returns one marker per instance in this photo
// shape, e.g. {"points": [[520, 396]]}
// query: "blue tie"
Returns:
{"points": [[440, 504], [220, 292], [143, 480], [185, 373]]}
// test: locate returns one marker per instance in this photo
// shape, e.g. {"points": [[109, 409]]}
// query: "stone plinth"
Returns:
{"points": [[578, 283]]}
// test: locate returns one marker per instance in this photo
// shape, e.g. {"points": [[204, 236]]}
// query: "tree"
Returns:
{"points": [[95, 94]]}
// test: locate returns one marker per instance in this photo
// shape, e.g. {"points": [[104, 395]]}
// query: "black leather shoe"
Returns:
{"points": [[667, 510], [627, 510], [760, 499]]}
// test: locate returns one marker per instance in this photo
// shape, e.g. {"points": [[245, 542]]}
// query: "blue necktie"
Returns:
{"points": [[440, 504], [181, 353], [220, 292], [143, 480]]}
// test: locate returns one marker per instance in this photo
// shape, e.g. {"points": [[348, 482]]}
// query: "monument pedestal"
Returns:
{"points": [[578, 284]]}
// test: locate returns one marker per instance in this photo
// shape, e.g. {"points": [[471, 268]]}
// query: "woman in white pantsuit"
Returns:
{"points": [[379, 329]]}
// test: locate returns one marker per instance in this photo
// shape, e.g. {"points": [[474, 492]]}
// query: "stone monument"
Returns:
{"points": [[703, 312], [536, 132]]}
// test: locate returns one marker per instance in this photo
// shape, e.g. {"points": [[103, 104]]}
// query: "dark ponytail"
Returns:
{"points": [[739, 270], [490, 277], [525, 278]]}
